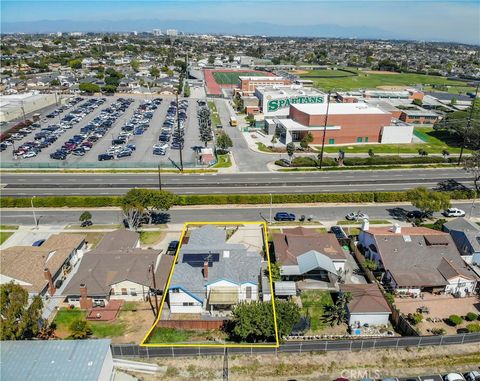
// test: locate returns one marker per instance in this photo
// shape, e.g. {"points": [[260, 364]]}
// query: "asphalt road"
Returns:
{"points": [[26, 184], [218, 213]]}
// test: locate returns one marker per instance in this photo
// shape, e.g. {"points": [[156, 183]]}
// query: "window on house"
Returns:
{"points": [[124, 291], [366, 139], [133, 292], [249, 292], [331, 141], [359, 140], [175, 290], [187, 304]]}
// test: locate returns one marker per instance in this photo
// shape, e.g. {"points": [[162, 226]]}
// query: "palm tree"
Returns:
{"points": [[336, 314]]}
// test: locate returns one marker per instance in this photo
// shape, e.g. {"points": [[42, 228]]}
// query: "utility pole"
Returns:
{"points": [[225, 364], [469, 123], [159, 176], [324, 131], [33, 211], [152, 270], [178, 129]]}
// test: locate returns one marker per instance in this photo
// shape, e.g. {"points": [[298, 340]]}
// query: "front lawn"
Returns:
{"points": [[434, 142], [151, 237], [8, 227], [4, 236], [313, 306]]}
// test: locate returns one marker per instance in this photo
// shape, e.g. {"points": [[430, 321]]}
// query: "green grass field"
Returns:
{"points": [[328, 73], [434, 142], [372, 80], [4, 236], [231, 77], [169, 335], [314, 303]]}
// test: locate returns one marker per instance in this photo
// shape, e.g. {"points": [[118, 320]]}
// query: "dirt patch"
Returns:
{"points": [[374, 364], [379, 72], [298, 72], [137, 322]]}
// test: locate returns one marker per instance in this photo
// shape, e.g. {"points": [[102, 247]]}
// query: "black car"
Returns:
{"points": [[105, 156], [284, 216], [339, 232], [84, 224], [172, 247], [58, 155], [417, 214]]}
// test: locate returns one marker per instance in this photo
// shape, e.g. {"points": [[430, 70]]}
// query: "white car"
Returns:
{"points": [[454, 212], [472, 376], [29, 154], [453, 377], [160, 146]]}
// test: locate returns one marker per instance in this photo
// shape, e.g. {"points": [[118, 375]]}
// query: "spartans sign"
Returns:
{"points": [[276, 104]]}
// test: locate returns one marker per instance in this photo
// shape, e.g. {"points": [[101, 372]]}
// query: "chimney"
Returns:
{"points": [[205, 270], [397, 229], [85, 301], [48, 276], [365, 225]]}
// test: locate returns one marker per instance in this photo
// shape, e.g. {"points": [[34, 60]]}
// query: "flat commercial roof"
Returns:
{"points": [[46, 360], [260, 78], [338, 109]]}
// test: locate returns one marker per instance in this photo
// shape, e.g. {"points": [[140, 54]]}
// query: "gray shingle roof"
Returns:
{"points": [[238, 266]]}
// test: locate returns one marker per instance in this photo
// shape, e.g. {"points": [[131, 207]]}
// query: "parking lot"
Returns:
{"points": [[142, 155]]}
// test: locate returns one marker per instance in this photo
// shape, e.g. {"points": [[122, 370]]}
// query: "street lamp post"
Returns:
{"points": [[33, 211], [271, 202]]}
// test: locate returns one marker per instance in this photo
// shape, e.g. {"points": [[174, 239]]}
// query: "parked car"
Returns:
{"points": [[417, 214], [339, 232], [172, 247], [472, 376], [453, 212], [284, 216], [355, 216], [453, 377], [105, 156], [84, 224]]}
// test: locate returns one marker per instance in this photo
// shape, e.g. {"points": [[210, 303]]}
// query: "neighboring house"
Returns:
{"points": [[212, 275], [466, 236], [37, 268], [367, 306], [116, 269], [307, 253], [418, 259], [45, 360]]}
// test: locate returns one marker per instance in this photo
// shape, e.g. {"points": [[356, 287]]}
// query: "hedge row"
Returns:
{"points": [[221, 199], [306, 161]]}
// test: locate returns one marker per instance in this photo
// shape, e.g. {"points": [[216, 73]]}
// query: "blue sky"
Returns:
{"points": [[414, 19]]}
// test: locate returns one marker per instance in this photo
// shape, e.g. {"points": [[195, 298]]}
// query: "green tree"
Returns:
{"points": [[275, 271], [370, 264], [55, 82], [85, 216], [109, 88], [290, 150], [211, 59], [138, 202], [224, 141], [417, 102], [472, 166], [75, 64], [337, 313], [186, 90], [135, 65], [19, 319], [371, 153], [154, 71], [80, 329], [89, 87], [306, 140], [427, 200]]}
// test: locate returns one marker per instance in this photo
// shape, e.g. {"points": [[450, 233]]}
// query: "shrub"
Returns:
{"points": [[416, 318], [455, 320], [392, 160], [473, 327], [471, 316], [437, 331]]}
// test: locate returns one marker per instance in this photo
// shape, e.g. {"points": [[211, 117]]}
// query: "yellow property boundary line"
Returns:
{"points": [[185, 228]]}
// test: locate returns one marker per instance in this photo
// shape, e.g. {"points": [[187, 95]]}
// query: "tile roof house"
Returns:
{"points": [[212, 275], [37, 268], [306, 252], [418, 259], [367, 306]]}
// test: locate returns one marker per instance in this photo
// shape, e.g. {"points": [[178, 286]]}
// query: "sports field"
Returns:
{"points": [[231, 77], [372, 80]]}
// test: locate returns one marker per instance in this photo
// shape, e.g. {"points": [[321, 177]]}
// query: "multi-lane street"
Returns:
{"points": [[45, 184], [220, 213]]}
